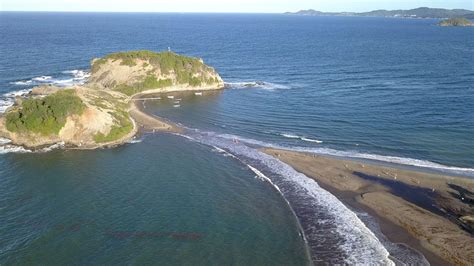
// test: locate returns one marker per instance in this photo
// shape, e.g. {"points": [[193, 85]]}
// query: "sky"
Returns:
{"points": [[241, 6]]}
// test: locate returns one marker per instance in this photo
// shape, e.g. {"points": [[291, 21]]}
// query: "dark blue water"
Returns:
{"points": [[395, 90], [156, 202], [391, 87]]}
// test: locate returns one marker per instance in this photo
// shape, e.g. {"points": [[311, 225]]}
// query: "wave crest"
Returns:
{"points": [[292, 136], [68, 78], [255, 84]]}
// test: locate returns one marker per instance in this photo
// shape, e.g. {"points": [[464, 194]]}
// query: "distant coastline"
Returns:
{"points": [[422, 12]]}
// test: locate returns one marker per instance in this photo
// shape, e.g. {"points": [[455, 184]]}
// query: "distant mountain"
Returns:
{"points": [[421, 12]]}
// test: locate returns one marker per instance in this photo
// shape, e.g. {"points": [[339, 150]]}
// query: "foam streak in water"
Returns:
{"points": [[69, 78], [360, 155], [334, 233], [255, 84], [292, 136]]}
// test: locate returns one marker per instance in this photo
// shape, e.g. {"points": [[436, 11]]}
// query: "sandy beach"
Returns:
{"points": [[429, 212], [148, 122]]}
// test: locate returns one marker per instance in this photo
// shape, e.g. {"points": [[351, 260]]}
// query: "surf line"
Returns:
{"points": [[345, 253], [263, 178]]}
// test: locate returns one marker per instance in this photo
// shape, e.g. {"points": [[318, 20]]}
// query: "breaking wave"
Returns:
{"points": [[389, 159], [134, 141], [6, 147], [291, 136], [8, 99], [255, 84], [334, 233], [12, 149], [67, 78], [361, 155]]}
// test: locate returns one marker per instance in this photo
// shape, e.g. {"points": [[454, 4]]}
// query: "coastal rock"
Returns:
{"points": [[97, 114], [44, 90], [456, 22], [137, 72]]}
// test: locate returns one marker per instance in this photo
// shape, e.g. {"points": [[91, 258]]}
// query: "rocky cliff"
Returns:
{"points": [[138, 71], [97, 114]]}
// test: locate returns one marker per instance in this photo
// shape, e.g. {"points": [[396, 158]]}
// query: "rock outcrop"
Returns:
{"points": [[139, 71], [97, 113], [456, 22]]}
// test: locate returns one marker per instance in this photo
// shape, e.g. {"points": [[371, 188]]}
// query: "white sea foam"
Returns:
{"points": [[311, 140], [255, 84], [23, 82], [292, 136], [56, 146], [356, 243], [42, 78], [8, 99], [5, 104], [360, 155], [12, 149], [133, 141], [69, 78], [388, 159], [14, 94], [4, 141]]}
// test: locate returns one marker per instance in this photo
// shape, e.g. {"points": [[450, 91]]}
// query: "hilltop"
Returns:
{"points": [[421, 12], [138, 71], [98, 113]]}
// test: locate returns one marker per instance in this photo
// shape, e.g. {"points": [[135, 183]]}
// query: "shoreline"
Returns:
{"points": [[406, 219], [367, 190], [138, 117]]}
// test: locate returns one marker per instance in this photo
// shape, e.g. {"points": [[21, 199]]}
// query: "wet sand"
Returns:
{"points": [[149, 122], [427, 212]]}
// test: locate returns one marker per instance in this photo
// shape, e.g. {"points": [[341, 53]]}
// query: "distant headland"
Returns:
{"points": [[456, 22], [421, 12], [102, 111]]}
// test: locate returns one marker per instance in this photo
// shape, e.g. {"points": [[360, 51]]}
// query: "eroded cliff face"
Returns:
{"points": [[139, 71], [100, 116]]}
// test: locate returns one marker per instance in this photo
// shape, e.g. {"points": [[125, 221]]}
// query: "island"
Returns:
{"points": [[456, 22], [421, 12], [102, 112]]}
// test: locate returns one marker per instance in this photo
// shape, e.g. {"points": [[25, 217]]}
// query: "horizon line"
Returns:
{"points": [[218, 12]]}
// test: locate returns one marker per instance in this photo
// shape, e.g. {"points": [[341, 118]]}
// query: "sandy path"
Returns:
{"points": [[149, 122]]}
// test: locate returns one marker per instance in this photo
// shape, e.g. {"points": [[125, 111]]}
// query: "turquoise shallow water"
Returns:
{"points": [[164, 200]]}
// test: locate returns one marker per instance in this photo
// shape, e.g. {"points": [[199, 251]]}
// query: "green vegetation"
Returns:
{"points": [[166, 61], [456, 22], [124, 127], [186, 70], [150, 82], [45, 115]]}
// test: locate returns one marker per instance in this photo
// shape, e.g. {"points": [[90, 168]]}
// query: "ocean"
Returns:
{"points": [[397, 91]]}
